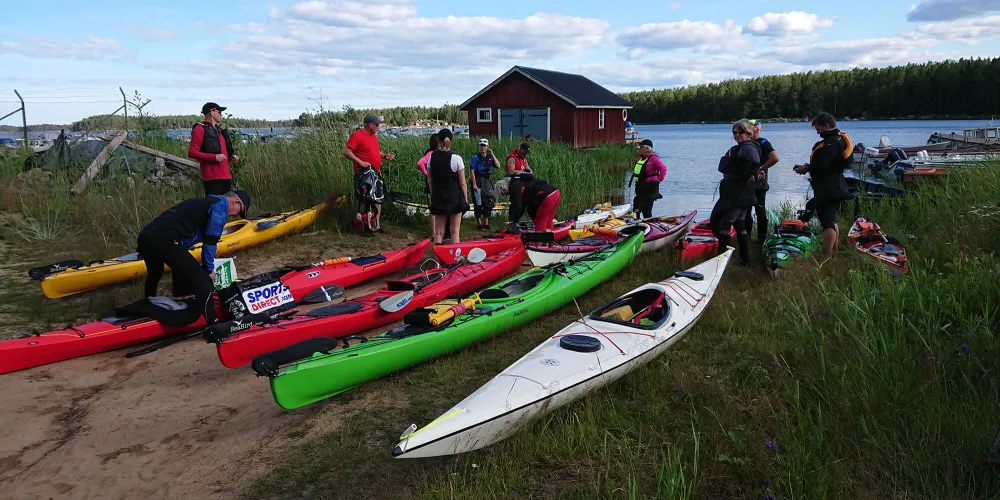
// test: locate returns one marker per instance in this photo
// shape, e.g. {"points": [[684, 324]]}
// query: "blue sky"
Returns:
{"points": [[277, 59]]}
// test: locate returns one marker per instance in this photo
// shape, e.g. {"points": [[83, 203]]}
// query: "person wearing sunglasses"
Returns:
{"points": [[769, 157], [833, 154], [739, 168], [213, 148], [168, 238], [481, 167]]}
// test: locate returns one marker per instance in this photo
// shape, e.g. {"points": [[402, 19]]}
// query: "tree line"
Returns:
{"points": [[948, 89], [400, 116]]}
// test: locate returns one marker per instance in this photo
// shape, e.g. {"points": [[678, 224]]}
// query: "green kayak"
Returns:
{"points": [[791, 240], [321, 370]]}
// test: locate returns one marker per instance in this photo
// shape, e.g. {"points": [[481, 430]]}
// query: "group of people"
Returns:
{"points": [[744, 186]]}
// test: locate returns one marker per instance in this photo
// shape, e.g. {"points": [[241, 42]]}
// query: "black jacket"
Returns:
{"points": [[738, 166], [830, 157]]}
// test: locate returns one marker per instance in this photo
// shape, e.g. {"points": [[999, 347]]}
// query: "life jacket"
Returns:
{"points": [[843, 160], [212, 143], [736, 186], [639, 171], [520, 164], [794, 225]]}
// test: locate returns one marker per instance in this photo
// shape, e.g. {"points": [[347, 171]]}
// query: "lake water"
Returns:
{"points": [[692, 152]]}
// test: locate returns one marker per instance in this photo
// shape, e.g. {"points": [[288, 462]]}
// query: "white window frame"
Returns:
{"points": [[479, 117], [600, 119]]}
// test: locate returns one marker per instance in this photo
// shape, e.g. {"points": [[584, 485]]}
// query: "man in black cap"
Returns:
{"points": [[648, 173], [213, 149], [363, 150], [170, 236]]}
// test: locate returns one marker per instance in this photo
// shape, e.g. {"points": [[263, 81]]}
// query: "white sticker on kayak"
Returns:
{"points": [[268, 296]]}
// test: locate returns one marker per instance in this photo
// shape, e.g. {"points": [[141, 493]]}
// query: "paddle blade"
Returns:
{"points": [[266, 224], [476, 255], [396, 302], [40, 273], [322, 294], [773, 218]]}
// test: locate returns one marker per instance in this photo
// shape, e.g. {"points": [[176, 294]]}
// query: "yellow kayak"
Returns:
{"points": [[62, 280], [613, 223]]}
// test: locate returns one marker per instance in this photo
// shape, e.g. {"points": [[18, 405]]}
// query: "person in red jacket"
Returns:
{"points": [[213, 149]]}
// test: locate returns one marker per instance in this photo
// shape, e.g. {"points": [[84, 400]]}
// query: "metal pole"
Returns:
{"points": [[125, 106], [24, 118]]}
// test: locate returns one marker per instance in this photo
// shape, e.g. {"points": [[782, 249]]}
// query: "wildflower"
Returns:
{"points": [[772, 444], [767, 483], [677, 386], [965, 348], [959, 331]]}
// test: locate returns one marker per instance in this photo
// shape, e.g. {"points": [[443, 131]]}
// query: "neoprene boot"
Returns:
{"points": [[744, 242], [724, 241], [761, 234]]}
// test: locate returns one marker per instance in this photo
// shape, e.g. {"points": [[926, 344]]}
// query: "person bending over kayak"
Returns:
{"points": [[648, 173], [539, 198], [167, 239], [449, 196], [739, 167], [769, 157], [830, 157]]}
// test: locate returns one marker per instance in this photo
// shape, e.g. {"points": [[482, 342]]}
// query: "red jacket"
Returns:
{"points": [[200, 150]]}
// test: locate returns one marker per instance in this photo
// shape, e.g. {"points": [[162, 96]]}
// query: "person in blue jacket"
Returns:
{"points": [[169, 237]]}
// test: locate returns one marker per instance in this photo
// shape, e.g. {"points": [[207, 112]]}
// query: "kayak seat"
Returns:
{"points": [[649, 302], [620, 313], [513, 287], [401, 332], [266, 365], [361, 261], [335, 310]]}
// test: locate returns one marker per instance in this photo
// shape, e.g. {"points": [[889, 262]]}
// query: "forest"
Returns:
{"points": [[966, 88]]}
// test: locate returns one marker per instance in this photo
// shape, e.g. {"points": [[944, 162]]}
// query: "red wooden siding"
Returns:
{"points": [[516, 91], [586, 131]]}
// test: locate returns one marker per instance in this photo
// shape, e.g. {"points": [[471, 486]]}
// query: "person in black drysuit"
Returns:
{"points": [[768, 158], [833, 154], [736, 190], [168, 237], [449, 195]]}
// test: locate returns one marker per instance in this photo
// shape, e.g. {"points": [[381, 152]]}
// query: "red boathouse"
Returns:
{"points": [[549, 105]]}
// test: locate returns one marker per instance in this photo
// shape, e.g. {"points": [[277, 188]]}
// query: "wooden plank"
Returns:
{"points": [[166, 156], [95, 166]]}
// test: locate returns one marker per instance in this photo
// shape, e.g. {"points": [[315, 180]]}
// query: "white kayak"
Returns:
{"points": [[659, 235], [586, 355], [601, 212]]}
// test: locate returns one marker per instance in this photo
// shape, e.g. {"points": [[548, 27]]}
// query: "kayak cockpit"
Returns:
{"points": [[514, 287], [646, 309]]}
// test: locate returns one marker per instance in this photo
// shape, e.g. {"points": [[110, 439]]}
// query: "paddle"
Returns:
{"points": [[400, 300], [39, 273], [773, 218]]}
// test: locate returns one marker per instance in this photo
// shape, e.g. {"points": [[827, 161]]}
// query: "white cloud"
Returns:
{"points": [[155, 35], [89, 48], [249, 27], [349, 13], [841, 53], [674, 6], [698, 35], [787, 23], [966, 31], [947, 10]]}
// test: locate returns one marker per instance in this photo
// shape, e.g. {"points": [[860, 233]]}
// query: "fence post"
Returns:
{"points": [[125, 107], [24, 118]]}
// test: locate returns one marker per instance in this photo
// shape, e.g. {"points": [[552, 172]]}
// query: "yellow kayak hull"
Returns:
{"points": [[236, 236]]}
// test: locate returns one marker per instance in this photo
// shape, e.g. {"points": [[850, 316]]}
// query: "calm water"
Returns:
{"points": [[691, 153]]}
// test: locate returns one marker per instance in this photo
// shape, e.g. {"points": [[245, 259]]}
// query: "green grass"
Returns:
{"points": [[834, 381]]}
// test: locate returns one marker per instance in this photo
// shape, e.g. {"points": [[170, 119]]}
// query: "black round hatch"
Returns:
{"points": [[580, 343]]}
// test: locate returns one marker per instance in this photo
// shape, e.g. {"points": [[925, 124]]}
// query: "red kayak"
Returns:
{"points": [[115, 332], [700, 243], [495, 243], [364, 313]]}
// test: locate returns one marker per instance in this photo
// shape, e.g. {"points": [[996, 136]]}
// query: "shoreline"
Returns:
{"points": [[845, 119]]}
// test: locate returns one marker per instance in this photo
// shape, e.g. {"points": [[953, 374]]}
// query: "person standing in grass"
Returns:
{"points": [[169, 237], [213, 148], [739, 168], [481, 167], [831, 155], [769, 157], [518, 170], [363, 150], [648, 173], [449, 195], [422, 165]]}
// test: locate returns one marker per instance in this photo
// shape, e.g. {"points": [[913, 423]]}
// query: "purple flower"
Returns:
{"points": [[767, 483], [772, 444], [965, 348], [959, 331], [677, 386]]}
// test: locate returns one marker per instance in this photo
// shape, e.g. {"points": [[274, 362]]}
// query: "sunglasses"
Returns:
{"points": [[740, 132]]}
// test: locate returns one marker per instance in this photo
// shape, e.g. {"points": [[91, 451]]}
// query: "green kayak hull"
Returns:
{"points": [[509, 304], [784, 247]]}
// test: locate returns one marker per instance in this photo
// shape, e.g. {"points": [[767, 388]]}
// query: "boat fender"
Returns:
{"points": [[580, 343], [266, 365]]}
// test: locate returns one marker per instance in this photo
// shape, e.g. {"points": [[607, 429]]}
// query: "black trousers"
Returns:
{"points": [[218, 186], [189, 277], [761, 209], [724, 217]]}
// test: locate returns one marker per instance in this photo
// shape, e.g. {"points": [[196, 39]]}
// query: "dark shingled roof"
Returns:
{"points": [[578, 90]]}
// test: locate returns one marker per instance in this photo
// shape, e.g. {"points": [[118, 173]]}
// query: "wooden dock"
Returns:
{"points": [[986, 136]]}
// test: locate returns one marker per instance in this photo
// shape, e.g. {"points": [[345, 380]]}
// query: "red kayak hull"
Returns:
{"points": [[116, 333], [240, 349], [699, 244], [494, 243]]}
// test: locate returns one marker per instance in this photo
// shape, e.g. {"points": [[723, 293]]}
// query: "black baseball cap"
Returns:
{"points": [[245, 201], [372, 119], [525, 146], [209, 106], [646, 142]]}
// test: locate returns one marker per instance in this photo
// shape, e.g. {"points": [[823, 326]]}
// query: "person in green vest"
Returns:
{"points": [[648, 173]]}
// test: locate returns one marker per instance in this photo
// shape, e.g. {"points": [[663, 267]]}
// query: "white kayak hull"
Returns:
{"points": [[593, 218], [551, 376]]}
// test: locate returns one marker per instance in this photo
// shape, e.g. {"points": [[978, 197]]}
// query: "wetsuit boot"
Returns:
{"points": [[743, 238]]}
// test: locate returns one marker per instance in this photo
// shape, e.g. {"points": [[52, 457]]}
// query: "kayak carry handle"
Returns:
{"points": [[347, 340]]}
